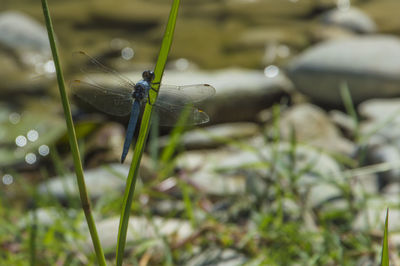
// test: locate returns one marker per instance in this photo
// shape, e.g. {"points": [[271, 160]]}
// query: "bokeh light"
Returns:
{"points": [[30, 158], [7, 179], [21, 141], [44, 150], [33, 135]]}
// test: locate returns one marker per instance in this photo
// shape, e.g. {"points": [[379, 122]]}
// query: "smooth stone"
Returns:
{"points": [[373, 214], [381, 134], [350, 18], [390, 155], [214, 136], [46, 217], [25, 54], [141, 229], [99, 182], [344, 121], [312, 125], [369, 65], [20, 32], [381, 109], [218, 172], [218, 257], [240, 94]]}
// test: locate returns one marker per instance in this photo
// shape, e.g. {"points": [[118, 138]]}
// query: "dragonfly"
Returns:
{"points": [[124, 97]]}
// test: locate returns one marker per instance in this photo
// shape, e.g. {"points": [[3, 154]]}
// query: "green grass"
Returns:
{"points": [[72, 138], [385, 244], [144, 131], [259, 224]]}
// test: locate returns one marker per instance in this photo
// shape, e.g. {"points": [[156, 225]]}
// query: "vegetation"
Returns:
{"points": [[270, 223]]}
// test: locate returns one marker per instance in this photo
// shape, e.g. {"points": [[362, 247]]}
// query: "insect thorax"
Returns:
{"points": [[141, 89]]}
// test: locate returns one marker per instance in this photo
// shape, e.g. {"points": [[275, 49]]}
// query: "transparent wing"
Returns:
{"points": [[170, 116], [172, 101], [114, 100], [92, 65], [171, 95]]}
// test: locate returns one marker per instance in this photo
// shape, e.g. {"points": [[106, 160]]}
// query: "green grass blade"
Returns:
{"points": [[72, 139], [385, 246], [350, 108], [33, 238], [144, 131]]}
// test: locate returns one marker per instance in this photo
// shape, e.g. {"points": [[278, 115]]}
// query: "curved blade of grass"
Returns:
{"points": [[144, 131], [72, 139], [385, 248]]}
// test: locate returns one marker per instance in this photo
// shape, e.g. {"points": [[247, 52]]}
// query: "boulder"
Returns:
{"points": [[369, 65]]}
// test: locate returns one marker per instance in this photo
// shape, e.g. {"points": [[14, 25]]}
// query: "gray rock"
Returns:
{"points": [[47, 217], [381, 109], [369, 65], [20, 32], [25, 53], [218, 257], [350, 18], [213, 136], [381, 133], [240, 93], [227, 170], [312, 125], [141, 231], [372, 217], [344, 121], [99, 182]]}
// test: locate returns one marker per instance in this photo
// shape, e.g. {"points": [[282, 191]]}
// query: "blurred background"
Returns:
{"points": [[301, 150]]}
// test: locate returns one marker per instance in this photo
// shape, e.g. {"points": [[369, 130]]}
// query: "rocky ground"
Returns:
{"points": [[302, 150]]}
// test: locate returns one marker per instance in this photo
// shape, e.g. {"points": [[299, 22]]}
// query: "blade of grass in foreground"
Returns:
{"points": [[385, 249], [144, 131], [72, 139]]}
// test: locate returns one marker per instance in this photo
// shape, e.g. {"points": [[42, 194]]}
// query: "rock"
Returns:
{"points": [[25, 51], [369, 65], [218, 257], [46, 217], [21, 33], [213, 136], [381, 110], [372, 217], [350, 18], [381, 133], [229, 173], [141, 230], [99, 182], [312, 125], [344, 121], [240, 93]]}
